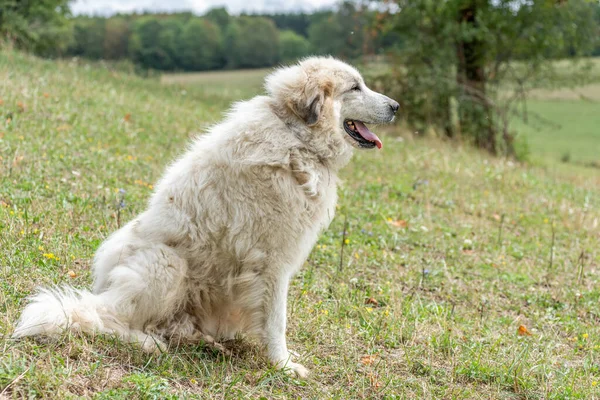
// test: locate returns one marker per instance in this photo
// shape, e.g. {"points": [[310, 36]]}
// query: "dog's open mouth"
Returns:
{"points": [[361, 134]]}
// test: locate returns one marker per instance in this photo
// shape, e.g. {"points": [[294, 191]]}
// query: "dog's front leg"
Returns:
{"points": [[274, 328]]}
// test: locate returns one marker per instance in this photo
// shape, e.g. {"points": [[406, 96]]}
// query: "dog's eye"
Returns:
{"points": [[355, 88]]}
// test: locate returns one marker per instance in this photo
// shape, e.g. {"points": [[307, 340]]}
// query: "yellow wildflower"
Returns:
{"points": [[50, 256]]}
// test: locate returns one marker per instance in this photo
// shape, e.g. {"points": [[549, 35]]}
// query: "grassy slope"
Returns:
{"points": [[452, 245]]}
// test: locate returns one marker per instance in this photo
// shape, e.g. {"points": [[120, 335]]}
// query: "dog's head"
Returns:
{"points": [[330, 97]]}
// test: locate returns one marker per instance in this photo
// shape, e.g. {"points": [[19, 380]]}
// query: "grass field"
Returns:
{"points": [[463, 276], [230, 85]]}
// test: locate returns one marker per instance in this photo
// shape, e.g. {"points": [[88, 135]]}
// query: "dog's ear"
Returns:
{"points": [[303, 96], [312, 113]]}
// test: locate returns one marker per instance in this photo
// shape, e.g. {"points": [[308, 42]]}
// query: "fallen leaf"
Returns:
{"points": [[17, 160], [72, 274], [127, 117], [399, 224], [1, 102], [368, 359], [468, 252], [46, 95], [523, 331], [372, 300], [21, 106], [374, 381]]}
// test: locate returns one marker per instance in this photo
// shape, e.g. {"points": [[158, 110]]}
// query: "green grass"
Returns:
{"points": [[231, 85], [452, 246], [557, 127]]}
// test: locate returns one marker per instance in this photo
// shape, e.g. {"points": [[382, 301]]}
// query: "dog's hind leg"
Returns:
{"points": [[183, 329], [148, 287]]}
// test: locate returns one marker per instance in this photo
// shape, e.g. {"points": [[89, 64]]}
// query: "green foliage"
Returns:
{"points": [[341, 33], [89, 38], [292, 46], [219, 16], [40, 26], [521, 148], [252, 42], [200, 45], [296, 22], [116, 38], [168, 40], [145, 44], [459, 59]]}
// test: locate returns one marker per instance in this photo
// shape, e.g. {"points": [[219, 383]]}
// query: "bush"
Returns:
{"points": [[292, 46]]}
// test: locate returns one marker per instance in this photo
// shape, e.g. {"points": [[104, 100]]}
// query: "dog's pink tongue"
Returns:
{"points": [[367, 134]]}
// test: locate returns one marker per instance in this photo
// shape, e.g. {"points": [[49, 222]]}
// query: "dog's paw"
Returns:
{"points": [[296, 369], [209, 341], [293, 368], [153, 345]]}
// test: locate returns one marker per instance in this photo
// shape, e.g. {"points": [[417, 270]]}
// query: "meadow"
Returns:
{"points": [[445, 274]]}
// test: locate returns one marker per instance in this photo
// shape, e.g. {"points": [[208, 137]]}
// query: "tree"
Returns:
{"points": [[40, 26], [116, 38], [200, 45], [88, 38], [144, 45], [292, 46], [296, 22], [466, 64], [471, 48], [169, 40], [252, 42], [342, 33], [219, 16], [231, 37]]}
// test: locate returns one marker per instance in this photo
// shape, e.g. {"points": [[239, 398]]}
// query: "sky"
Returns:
{"points": [[109, 7]]}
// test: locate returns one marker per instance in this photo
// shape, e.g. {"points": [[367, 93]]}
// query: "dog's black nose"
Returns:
{"points": [[394, 106]]}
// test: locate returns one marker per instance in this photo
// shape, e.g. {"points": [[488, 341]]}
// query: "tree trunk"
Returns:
{"points": [[475, 107]]}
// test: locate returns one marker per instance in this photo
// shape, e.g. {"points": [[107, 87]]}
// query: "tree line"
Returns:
{"points": [[217, 40]]}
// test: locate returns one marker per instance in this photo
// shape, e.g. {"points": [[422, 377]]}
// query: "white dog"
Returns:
{"points": [[229, 223]]}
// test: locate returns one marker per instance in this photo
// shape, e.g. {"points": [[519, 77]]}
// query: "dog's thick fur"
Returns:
{"points": [[229, 223]]}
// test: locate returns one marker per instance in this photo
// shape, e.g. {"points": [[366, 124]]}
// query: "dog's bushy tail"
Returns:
{"points": [[50, 312]]}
